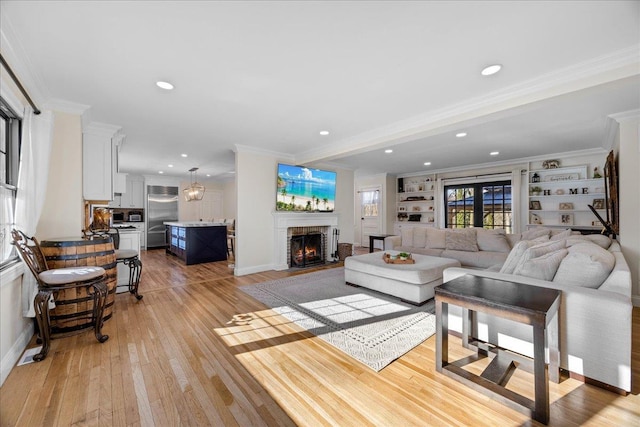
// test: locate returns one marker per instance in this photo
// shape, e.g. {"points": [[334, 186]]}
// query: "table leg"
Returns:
{"points": [[370, 244], [540, 373], [442, 335], [554, 350]]}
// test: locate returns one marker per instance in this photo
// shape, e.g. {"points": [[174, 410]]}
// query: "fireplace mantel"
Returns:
{"points": [[285, 220]]}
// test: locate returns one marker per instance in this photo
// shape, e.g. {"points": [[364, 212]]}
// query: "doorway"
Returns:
{"points": [[370, 218]]}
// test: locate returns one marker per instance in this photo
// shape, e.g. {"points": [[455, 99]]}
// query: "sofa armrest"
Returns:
{"points": [[392, 242]]}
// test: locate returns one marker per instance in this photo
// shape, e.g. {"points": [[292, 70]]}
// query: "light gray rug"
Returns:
{"points": [[371, 327]]}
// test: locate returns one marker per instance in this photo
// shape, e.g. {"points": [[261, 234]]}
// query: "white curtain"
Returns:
{"points": [[37, 138], [516, 205]]}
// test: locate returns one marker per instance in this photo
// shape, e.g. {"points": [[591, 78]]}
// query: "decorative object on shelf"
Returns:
{"points": [[573, 191], [402, 208], [585, 190], [402, 216], [535, 191], [195, 191], [598, 203], [547, 192], [535, 177], [415, 208], [559, 191], [413, 198], [551, 164], [566, 206], [431, 219], [535, 219], [566, 219], [534, 205], [596, 173], [562, 177], [415, 217]]}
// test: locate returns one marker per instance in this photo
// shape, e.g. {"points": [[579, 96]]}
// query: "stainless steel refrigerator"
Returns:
{"points": [[162, 205]]}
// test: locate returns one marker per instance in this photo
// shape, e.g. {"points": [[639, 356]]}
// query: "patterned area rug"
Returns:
{"points": [[371, 327]]}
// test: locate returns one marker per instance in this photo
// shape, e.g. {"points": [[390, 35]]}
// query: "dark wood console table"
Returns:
{"points": [[373, 237], [532, 305]]}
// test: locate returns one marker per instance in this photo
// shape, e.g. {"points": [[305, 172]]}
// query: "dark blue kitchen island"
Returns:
{"points": [[197, 242]]}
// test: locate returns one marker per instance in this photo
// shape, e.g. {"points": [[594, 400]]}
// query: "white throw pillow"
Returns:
{"points": [[561, 235], [524, 251], [436, 238], [587, 265], [419, 237], [407, 236], [603, 241], [461, 240], [534, 233], [543, 267], [493, 240]]}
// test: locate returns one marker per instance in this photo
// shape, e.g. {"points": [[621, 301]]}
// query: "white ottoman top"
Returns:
{"points": [[426, 268]]}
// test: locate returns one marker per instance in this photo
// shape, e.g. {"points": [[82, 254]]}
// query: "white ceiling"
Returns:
{"points": [[271, 75]]}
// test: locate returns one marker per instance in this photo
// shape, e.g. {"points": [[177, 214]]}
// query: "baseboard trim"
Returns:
{"points": [[251, 270], [635, 300], [14, 353]]}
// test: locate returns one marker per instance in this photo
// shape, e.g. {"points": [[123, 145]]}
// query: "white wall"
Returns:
{"points": [[629, 179], [62, 213], [229, 198]]}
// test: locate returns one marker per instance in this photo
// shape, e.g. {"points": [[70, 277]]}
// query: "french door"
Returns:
{"points": [[370, 219], [482, 205]]}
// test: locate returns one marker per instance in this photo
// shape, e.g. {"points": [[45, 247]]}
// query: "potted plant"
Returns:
{"points": [[403, 255], [535, 191]]}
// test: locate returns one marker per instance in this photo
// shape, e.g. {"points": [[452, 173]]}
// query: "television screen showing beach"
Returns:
{"points": [[305, 189]]}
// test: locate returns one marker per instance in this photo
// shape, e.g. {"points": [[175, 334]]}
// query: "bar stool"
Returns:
{"points": [[128, 257], [52, 281]]}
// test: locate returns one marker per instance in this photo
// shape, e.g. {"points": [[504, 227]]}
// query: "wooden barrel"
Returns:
{"points": [[74, 306]]}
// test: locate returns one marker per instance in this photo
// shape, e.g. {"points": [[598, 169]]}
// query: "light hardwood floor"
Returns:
{"points": [[197, 351]]}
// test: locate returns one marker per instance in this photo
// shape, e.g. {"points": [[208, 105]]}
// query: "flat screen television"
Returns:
{"points": [[305, 189]]}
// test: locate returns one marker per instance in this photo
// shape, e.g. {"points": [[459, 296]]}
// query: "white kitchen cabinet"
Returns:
{"points": [[132, 196], [98, 163]]}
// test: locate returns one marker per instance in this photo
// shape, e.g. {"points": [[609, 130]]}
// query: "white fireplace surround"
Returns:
{"points": [[285, 220]]}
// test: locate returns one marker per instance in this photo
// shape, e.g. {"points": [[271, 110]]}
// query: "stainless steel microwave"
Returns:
{"points": [[118, 217], [135, 218]]}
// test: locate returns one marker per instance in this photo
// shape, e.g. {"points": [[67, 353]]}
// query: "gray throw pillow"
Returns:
{"points": [[587, 265], [461, 240], [493, 240], [543, 267]]}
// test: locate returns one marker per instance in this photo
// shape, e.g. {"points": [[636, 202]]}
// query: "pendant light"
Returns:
{"points": [[195, 191]]}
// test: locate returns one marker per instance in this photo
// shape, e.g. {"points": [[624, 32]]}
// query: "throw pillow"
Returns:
{"points": [[543, 267], [419, 237], [493, 240], [540, 249], [436, 238], [535, 233], [461, 240], [407, 236], [603, 241], [561, 235], [517, 253], [587, 265]]}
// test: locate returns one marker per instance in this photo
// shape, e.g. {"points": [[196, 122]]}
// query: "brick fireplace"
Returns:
{"points": [[289, 224]]}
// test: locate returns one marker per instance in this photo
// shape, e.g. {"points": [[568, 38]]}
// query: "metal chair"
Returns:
{"points": [[128, 257], [52, 281]]}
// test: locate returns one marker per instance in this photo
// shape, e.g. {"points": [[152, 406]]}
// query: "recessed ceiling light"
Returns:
{"points": [[491, 69], [164, 85], [494, 153], [461, 135], [160, 172], [208, 174], [170, 166], [183, 155], [388, 150], [324, 132], [427, 163]]}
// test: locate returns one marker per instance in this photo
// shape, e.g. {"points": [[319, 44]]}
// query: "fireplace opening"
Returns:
{"points": [[307, 249]]}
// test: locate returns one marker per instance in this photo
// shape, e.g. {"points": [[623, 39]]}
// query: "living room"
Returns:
{"points": [[251, 193]]}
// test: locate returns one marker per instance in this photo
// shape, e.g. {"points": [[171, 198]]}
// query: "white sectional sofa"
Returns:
{"points": [[595, 310]]}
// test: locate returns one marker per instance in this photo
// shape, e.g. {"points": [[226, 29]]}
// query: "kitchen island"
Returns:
{"points": [[197, 242]]}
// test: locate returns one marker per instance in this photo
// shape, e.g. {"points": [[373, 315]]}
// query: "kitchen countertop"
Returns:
{"points": [[196, 224]]}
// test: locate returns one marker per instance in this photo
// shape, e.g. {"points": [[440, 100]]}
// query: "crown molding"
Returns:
{"points": [[19, 62], [606, 68], [239, 148], [102, 129], [65, 106], [626, 115]]}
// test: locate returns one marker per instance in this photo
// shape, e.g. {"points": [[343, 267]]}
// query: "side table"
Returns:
{"points": [[373, 237], [531, 305]]}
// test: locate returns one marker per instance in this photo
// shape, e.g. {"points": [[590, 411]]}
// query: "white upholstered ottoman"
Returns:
{"points": [[412, 283]]}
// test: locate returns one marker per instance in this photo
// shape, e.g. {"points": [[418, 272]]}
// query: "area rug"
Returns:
{"points": [[371, 327]]}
